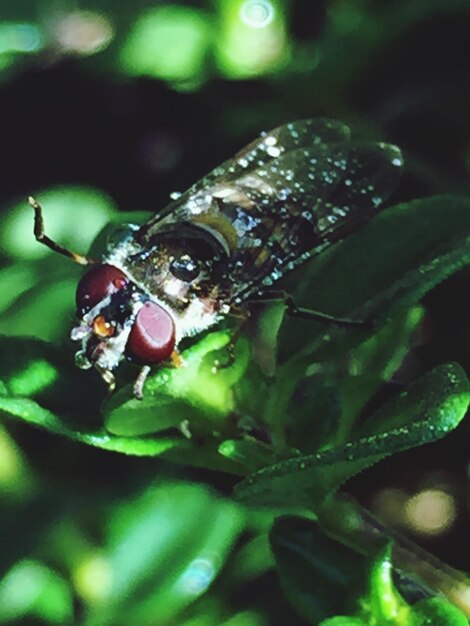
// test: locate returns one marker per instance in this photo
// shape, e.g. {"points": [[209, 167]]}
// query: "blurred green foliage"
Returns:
{"points": [[321, 578], [172, 510]]}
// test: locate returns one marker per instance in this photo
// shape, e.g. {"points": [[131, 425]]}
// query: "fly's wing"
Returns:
{"points": [[284, 198], [311, 133], [324, 214]]}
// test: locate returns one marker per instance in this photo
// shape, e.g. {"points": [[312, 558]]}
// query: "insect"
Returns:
{"points": [[282, 199]]}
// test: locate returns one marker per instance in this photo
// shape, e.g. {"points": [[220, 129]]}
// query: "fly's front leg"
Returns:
{"points": [[140, 382], [108, 378], [310, 314], [41, 236]]}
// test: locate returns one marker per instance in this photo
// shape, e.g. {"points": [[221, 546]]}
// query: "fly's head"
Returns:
{"points": [[117, 319]]}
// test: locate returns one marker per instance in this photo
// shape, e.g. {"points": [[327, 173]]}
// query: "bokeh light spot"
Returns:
{"points": [[32, 588], [388, 505], [257, 13], [83, 32], [431, 511], [198, 576], [14, 476], [252, 37], [170, 42], [19, 37], [93, 578]]}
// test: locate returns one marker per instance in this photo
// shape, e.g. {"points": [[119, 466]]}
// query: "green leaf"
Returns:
{"points": [[168, 42], [44, 311], [31, 412], [429, 409], [371, 364], [322, 577], [315, 405], [31, 588], [15, 279], [164, 549], [437, 612], [249, 453], [41, 388], [439, 400], [34, 369], [200, 392], [414, 246], [385, 604], [343, 621], [73, 216], [319, 576], [313, 415]]}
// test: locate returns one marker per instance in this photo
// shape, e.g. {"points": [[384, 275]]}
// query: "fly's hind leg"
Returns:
{"points": [[310, 314], [41, 236], [241, 315]]}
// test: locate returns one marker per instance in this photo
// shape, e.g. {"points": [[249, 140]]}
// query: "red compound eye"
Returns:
{"points": [[152, 337], [99, 282]]}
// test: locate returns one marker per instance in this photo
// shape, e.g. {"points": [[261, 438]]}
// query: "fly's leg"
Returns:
{"points": [[140, 382], [108, 378], [175, 361], [241, 315], [45, 240], [310, 314]]}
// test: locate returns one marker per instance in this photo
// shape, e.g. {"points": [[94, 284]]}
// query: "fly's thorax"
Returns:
{"points": [[199, 315], [181, 264]]}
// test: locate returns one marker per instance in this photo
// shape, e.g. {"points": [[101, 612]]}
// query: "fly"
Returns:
{"points": [[284, 198]]}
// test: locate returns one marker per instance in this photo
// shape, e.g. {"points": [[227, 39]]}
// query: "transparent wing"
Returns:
{"points": [[269, 146], [282, 199], [370, 174]]}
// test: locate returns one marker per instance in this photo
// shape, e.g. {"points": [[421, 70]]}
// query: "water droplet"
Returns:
{"points": [[81, 360], [197, 576], [273, 151]]}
